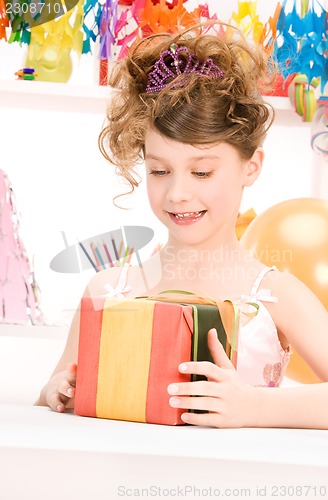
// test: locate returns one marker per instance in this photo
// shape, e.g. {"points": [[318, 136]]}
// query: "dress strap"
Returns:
{"points": [[122, 287], [264, 294], [260, 277]]}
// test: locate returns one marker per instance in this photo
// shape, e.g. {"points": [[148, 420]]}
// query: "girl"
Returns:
{"points": [[189, 107]]}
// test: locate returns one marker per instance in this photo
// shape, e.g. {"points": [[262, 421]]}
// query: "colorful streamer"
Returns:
{"points": [[248, 20], [4, 21], [296, 32], [91, 16], [301, 43], [154, 16], [107, 28]]}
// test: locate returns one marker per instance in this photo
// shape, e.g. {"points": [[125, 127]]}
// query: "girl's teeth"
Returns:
{"points": [[188, 214]]}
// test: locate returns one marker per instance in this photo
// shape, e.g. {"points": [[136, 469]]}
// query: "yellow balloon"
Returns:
{"points": [[293, 235]]}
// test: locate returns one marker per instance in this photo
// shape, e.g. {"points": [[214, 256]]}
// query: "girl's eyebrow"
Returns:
{"points": [[193, 158]]}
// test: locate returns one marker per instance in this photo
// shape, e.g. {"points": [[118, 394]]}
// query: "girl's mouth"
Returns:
{"points": [[183, 218]]}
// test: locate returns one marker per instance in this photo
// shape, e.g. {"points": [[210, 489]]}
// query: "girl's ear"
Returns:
{"points": [[253, 167]]}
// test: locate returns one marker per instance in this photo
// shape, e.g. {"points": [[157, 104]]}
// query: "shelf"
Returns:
{"points": [[53, 96], [93, 99]]}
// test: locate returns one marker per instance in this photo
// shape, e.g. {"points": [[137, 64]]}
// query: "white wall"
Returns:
{"points": [[62, 183]]}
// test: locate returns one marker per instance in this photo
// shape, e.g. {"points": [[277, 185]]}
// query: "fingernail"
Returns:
{"points": [[70, 391], [60, 408], [185, 417], [183, 367], [174, 401], [173, 389]]}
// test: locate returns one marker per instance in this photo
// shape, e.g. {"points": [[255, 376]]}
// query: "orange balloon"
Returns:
{"points": [[293, 235]]}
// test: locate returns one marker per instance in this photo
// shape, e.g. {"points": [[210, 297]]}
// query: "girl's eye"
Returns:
{"points": [[158, 172], [203, 174]]}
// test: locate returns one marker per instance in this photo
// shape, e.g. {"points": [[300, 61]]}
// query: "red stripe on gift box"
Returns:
{"points": [[91, 313], [171, 327]]}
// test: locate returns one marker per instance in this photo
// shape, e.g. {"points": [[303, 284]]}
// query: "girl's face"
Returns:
{"points": [[195, 192]]}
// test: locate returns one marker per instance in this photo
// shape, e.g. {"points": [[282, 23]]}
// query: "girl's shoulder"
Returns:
{"points": [[287, 288], [296, 306], [283, 283]]}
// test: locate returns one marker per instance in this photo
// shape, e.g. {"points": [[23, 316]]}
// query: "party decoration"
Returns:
{"points": [[248, 21], [302, 95], [91, 16], [295, 33], [26, 14], [142, 19], [26, 74], [4, 21], [151, 16], [293, 235], [52, 42], [53, 63], [19, 293], [107, 25], [301, 42], [19, 26], [319, 129]]}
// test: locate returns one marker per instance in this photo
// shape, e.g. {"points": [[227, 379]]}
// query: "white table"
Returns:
{"points": [[48, 456]]}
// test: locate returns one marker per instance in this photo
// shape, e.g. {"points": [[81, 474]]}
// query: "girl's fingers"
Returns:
{"points": [[198, 388], [206, 368], [66, 389], [57, 402], [217, 351], [203, 419], [204, 403]]}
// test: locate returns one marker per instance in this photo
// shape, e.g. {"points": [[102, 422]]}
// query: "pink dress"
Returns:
{"points": [[261, 359]]}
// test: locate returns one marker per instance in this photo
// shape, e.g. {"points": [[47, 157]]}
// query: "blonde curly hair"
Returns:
{"points": [[201, 110]]}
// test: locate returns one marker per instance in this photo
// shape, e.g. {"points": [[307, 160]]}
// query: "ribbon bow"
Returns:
{"points": [[122, 287]]}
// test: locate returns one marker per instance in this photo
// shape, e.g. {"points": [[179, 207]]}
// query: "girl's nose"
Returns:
{"points": [[178, 190]]}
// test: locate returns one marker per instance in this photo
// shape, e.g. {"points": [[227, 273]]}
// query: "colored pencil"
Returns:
{"points": [[95, 255], [130, 256], [99, 257], [108, 255], [114, 247], [88, 257]]}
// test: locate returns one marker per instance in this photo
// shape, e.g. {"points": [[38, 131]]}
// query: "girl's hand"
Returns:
{"points": [[229, 401], [60, 390]]}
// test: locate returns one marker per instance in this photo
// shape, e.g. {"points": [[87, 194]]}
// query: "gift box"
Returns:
{"points": [[130, 349]]}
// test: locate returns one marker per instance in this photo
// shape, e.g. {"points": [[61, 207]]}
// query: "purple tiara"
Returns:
{"points": [[168, 67]]}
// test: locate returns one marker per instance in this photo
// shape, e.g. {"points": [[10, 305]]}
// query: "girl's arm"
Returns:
{"points": [[232, 403], [301, 319], [59, 391]]}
